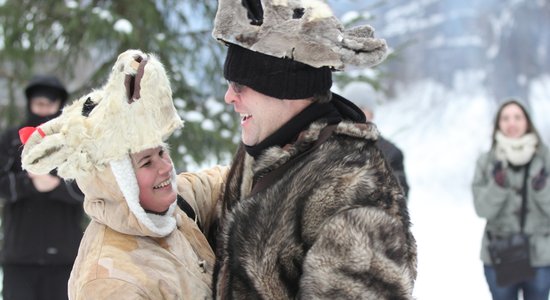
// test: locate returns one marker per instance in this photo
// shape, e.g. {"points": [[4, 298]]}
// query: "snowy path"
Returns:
{"points": [[448, 235]]}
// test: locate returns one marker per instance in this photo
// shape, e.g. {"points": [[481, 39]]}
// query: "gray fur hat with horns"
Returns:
{"points": [[301, 30]]}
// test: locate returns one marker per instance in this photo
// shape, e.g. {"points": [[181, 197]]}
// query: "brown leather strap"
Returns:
{"points": [[268, 179]]}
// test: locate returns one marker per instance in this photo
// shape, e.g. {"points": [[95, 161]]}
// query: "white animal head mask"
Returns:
{"points": [[132, 112]]}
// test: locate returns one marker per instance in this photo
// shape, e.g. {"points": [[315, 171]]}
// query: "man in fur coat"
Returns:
{"points": [[310, 208]]}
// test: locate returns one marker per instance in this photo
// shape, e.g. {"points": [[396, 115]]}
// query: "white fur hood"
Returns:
{"points": [[112, 198]]}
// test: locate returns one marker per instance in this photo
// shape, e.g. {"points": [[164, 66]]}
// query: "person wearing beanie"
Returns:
{"points": [[42, 216], [310, 208], [364, 96], [139, 244], [45, 95], [511, 191]]}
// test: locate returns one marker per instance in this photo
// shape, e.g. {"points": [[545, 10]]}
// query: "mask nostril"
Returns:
{"points": [[130, 83]]}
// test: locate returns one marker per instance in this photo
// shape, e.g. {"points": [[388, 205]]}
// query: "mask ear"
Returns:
{"points": [[45, 149]]}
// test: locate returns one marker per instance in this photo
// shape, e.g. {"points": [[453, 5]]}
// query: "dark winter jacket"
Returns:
{"points": [[395, 158], [333, 226], [501, 205], [39, 228]]}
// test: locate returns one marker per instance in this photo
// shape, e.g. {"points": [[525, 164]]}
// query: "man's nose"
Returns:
{"points": [[230, 96]]}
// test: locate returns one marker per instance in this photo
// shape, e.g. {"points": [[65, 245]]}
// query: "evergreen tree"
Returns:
{"points": [[79, 40]]}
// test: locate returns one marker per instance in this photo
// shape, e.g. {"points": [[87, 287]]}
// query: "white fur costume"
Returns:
{"points": [[132, 112]]}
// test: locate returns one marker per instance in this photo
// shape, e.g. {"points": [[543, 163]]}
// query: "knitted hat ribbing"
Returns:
{"points": [[276, 77]]}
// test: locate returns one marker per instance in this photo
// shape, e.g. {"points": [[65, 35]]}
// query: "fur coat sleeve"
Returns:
{"points": [[352, 245], [202, 191]]}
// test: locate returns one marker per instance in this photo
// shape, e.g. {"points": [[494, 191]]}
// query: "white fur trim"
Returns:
{"points": [[126, 179]]}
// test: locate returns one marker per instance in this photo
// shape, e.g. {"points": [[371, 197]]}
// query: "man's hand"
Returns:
{"points": [[44, 183]]}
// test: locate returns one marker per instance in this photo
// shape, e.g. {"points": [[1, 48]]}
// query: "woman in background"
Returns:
{"points": [[497, 190]]}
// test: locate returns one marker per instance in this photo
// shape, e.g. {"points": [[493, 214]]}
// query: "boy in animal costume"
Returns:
{"points": [[311, 209], [139, 244]]}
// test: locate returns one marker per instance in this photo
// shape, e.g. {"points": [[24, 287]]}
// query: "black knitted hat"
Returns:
{"points": [[47, 86], [280, 78]]}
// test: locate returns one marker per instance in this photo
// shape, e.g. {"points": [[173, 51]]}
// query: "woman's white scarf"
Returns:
{"points": [[517, 151]]}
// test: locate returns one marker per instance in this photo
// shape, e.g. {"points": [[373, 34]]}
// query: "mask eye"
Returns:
{"points": [[298, 13], [255, 11], [88, 107]]}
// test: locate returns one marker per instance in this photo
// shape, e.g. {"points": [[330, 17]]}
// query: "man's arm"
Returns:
{"points": [[360, 253], [202, 190], [398, 167], [394, 156]]}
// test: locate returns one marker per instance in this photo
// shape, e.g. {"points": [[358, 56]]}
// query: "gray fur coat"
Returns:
{"points": [[333, 226]]}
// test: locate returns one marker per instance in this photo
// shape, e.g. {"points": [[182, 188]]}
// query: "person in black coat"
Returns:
{"points": [[42, 215], [363, 95]]}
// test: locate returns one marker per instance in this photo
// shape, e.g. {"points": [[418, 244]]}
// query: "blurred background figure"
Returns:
{"points": [[515, 168], [42, 215], [364, 96]]}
